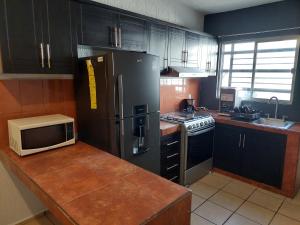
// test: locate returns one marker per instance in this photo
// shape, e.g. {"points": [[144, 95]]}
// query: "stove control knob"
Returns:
{"points": [[205, 122], [198, 124], [201, 124], [189, 127], [194, 126]]}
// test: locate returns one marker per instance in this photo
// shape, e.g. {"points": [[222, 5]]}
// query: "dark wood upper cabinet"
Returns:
{"points": [[20, 37], [58, 36], [158, 43], [98, 26], [176, 49], [36, 36], [192, 50], [133, 34]]}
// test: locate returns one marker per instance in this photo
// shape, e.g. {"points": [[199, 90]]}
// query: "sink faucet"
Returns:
{"points": [[277, 103]]}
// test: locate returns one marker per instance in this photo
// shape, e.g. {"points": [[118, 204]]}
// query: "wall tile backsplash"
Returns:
{"points": [[174, 90]]}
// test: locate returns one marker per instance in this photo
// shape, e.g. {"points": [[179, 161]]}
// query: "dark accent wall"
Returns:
{"points": [[268, 17]]}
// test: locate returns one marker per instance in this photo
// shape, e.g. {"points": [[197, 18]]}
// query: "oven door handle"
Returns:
{"points": [[200, 132]]}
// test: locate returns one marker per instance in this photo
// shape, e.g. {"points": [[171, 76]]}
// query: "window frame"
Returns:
{"points": [[253, 71]]}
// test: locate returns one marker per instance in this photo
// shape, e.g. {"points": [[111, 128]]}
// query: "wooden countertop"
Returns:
{"points": [[83, 185], [295, 129], [168, 128]]}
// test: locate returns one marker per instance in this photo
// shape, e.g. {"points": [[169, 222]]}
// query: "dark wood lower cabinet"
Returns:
{"points": [[250, 153], [170, 157]]}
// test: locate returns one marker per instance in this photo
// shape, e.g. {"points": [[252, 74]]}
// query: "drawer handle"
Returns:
{"points": [[171, 156], [174, 178], [172, 143], [172, 167]]}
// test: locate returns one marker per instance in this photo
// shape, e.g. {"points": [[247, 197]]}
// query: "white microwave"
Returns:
{"points": [[41, 133]]}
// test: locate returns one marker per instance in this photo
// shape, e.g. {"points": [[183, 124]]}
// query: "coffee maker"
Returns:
{"points": [[189, 105]]}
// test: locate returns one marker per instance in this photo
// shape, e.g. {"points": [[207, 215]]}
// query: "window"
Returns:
{"points": [[262, 67]]}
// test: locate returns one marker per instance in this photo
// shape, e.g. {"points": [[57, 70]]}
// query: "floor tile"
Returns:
{"points": [[239, 189], [283, 220], [203, 190], [226, 200], [237, 219], [256, 213], [215, 180], [295, 200], [197, 220], [265, 200], [213, 212], [196, 201], [290, 210], [275, 195]]}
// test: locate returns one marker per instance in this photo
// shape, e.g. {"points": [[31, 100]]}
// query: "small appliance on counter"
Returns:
{"points": [[229, 99], [41, 133], [189, 105]]}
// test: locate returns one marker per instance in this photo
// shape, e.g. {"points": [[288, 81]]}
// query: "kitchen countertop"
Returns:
{"points": [[295, 129], [169, 128], [83, 185]]}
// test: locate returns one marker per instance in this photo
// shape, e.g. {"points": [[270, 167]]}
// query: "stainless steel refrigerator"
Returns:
{"points": [[117, 96]]}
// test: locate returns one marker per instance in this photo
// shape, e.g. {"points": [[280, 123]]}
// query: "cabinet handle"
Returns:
{"points": [[172, 143], [187, 56], [174, 178], [116, 36], [240, 141], [183, 56], [171, 156], [244, 140], [120, 37], [172, 167], [165, 60], [48, 56], [42, 55]]}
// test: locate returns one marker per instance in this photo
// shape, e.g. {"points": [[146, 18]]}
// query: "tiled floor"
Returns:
{"points": [[218, 199]]}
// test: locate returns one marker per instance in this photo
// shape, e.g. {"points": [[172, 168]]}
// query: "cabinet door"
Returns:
{"points": [[134, 35], [263, 157], [20, 37], [58, 37], [227, 144], [192, 48], [158, 43], [212, 56], [176, 47], [97, 26], [203, 56]]}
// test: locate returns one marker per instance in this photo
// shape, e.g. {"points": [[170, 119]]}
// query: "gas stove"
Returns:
{"points": [[191, 121]]}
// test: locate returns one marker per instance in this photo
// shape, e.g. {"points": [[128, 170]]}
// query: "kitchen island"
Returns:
{"points": [[83, 185]]}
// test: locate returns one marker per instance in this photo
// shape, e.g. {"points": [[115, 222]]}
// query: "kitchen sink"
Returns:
{"points": [[276, 123]]}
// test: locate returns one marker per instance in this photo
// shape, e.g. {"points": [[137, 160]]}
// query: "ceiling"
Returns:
{"points": [[216, 6]]}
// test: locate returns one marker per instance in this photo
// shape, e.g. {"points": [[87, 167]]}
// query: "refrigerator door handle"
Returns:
{"points": [[122, 145], [121, 101]]}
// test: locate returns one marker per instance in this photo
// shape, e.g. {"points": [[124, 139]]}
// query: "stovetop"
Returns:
{"points": [[196, 120], [181, 117]]}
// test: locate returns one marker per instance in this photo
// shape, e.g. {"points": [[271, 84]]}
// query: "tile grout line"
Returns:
{"points": [[235, 212], [276, 212]]}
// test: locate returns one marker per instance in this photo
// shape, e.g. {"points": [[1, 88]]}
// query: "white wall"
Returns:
{"points": [[17, 203], [166, 10]]}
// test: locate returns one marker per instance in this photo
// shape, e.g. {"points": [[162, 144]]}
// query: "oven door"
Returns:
{"points": [[199, 149]]}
